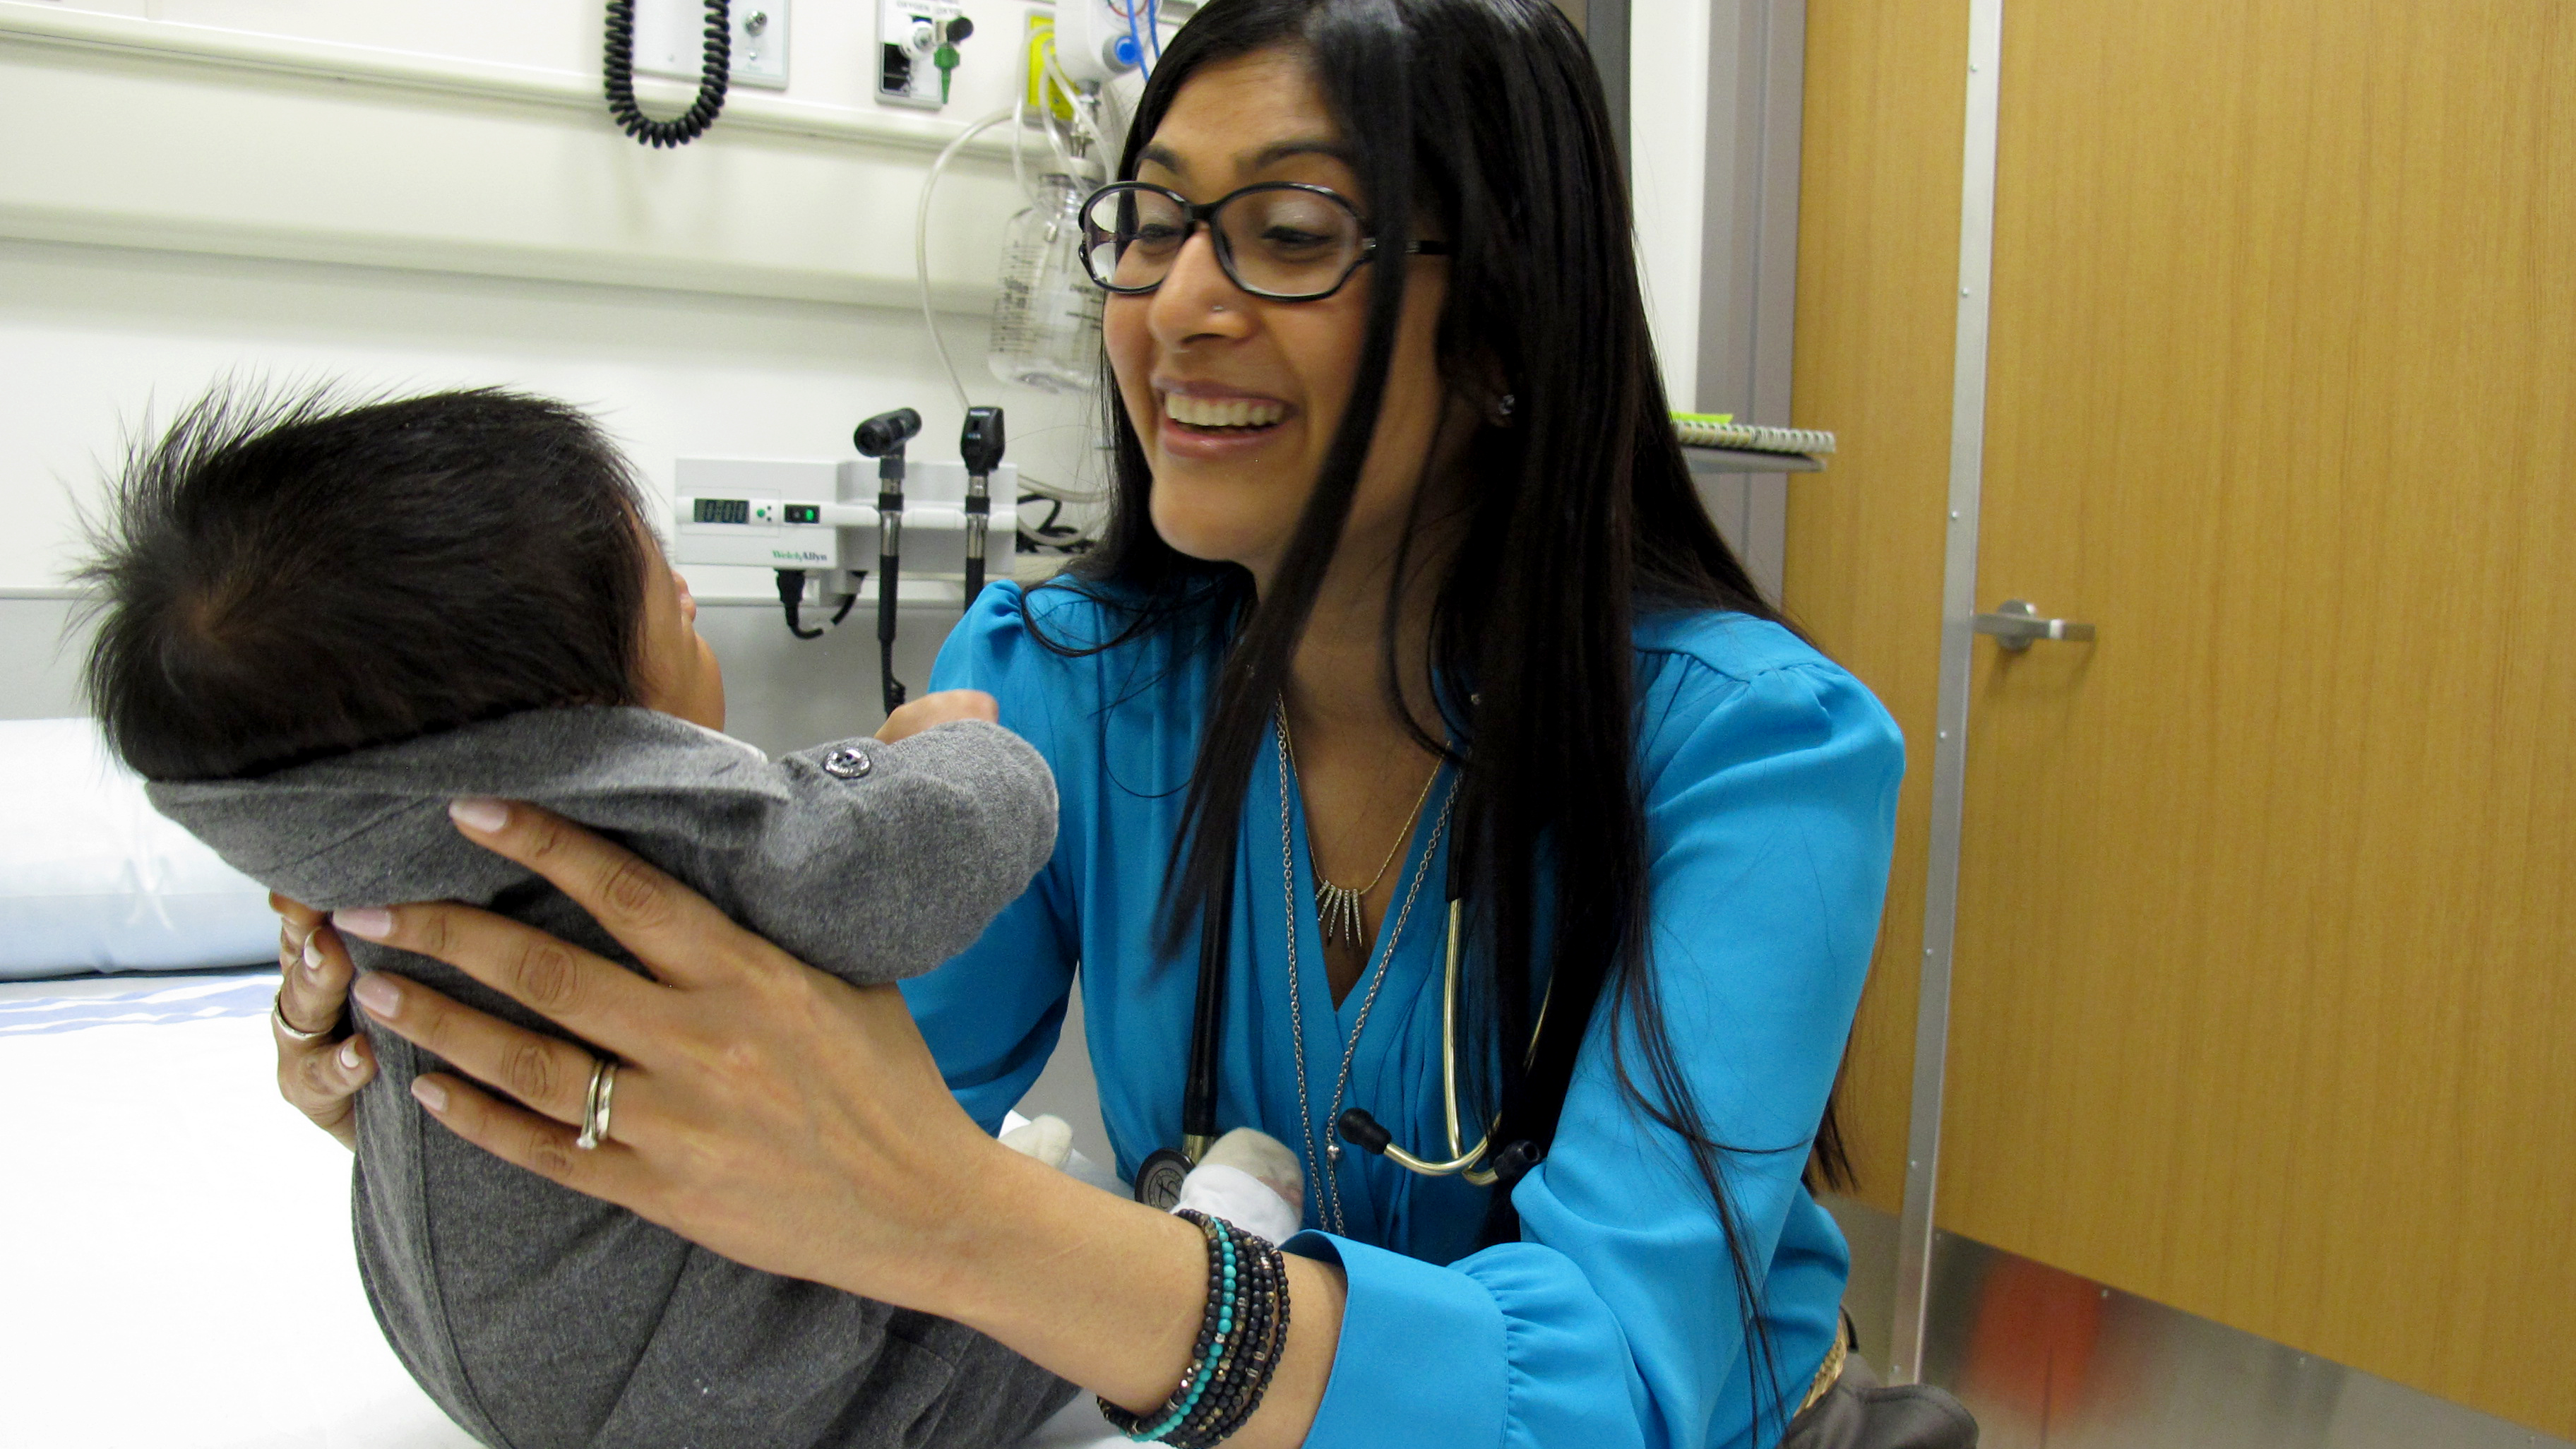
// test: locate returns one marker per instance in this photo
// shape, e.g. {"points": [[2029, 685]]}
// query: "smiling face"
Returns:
{"points": [[1235, 398]]}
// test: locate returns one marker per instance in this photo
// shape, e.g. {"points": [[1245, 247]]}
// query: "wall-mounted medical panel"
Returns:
{"points": [[821, 515]]}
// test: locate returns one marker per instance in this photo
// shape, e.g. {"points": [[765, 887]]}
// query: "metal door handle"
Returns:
{"points": [[2016, 626]]}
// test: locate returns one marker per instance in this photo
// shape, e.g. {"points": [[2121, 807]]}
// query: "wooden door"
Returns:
{"points": [[2265, 974]]}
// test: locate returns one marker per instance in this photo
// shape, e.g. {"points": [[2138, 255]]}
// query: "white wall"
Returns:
{"points": [[1716, 90], [200, 203], [94, 341], [827, 65], [1668, 88]]}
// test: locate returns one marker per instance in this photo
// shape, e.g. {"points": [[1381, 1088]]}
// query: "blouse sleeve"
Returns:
{"points": [[991, 1013], [1615, 1320]]}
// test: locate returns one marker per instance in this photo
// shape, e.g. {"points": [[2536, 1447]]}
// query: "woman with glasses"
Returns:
{"points": [[1411, 700]]}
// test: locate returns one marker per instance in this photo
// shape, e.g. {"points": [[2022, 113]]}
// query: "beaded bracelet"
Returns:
{"points": [[1243, 1330], [1244, 1372]]}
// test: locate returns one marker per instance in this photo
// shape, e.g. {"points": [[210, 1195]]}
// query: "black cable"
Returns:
{"points": [[791, 597], [619, 76], [1047, 535]]}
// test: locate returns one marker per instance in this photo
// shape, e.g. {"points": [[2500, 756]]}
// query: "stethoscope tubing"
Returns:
{"points": [[1198, 1103]]}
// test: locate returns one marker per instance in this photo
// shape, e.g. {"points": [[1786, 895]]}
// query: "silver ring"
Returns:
{"points": [[595, 1105], [277, 1014]]}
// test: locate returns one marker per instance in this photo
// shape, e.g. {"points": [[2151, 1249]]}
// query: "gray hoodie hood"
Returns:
{"points": [[870, 860]]}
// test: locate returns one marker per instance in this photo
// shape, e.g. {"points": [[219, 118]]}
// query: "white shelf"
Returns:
{"points": [[1741, 460]]}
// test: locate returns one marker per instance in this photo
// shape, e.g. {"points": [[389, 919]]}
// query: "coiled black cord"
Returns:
{"points": [[1050, 536], [619, 72]]}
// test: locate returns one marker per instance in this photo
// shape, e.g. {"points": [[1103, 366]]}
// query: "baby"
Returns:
{"points": [[320, 624]]}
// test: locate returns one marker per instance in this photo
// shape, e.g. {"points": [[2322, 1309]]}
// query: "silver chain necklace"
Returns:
{"points": [[1337, 907], [1326, 1170]]}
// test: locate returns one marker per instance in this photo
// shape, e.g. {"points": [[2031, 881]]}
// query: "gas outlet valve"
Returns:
{"points": [[918, 51]]}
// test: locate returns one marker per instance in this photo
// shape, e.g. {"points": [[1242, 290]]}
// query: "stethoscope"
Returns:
{"points": [[1158, 1179]]}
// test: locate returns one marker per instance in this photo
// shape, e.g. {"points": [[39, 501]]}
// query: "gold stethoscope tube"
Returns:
{"points": [[1462, 1160]]}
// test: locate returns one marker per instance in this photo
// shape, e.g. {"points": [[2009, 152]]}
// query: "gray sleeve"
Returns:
{"points": [[890, 858]]}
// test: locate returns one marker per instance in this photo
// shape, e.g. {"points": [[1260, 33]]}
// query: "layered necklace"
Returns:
{"points": [[1322, 1170], [1337, 907]]}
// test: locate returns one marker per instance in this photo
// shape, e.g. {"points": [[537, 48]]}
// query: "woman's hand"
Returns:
{"points": [[320, 1077], [770, 1112], [944, 707], [798, 1124]]}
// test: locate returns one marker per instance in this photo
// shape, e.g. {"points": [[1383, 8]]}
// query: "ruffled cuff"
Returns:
{"points": [[1509, 1347], [1421, 1358]]}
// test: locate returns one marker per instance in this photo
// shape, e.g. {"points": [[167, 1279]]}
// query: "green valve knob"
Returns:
{"points": [[945, 57]]}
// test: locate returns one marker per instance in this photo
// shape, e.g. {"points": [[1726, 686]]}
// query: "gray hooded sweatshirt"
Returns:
{"points": [[543, 1319]]}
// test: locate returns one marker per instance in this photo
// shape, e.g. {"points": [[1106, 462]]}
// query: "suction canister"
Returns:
{"points": [[1046, 323]]}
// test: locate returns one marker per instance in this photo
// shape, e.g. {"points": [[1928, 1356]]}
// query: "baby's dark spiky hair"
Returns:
{"points": [[283, 576]]}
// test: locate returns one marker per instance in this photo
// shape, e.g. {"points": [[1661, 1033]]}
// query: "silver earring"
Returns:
{"points": [[1503, 409]]}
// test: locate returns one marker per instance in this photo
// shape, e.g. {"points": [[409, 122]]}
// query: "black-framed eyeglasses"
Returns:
{"points": [[1285, 241]]}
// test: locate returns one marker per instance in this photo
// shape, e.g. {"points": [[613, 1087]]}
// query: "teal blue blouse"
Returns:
{"points": [[1770, 781]]}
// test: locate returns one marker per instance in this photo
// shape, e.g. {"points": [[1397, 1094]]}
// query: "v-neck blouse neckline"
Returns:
{"points": [[1301, 867]]}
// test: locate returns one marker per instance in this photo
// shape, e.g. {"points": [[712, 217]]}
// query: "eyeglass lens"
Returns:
{"points": [[1281, 242]]}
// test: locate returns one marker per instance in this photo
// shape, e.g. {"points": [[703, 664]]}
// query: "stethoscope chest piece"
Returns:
{"points": [[1158, 1181]]}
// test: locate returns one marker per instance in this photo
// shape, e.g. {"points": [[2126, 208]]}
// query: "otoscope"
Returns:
{"points": [[882, 437], [981, 446]]}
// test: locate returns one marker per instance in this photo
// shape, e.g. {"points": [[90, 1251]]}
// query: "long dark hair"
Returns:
{"points": [[1577, 513]]}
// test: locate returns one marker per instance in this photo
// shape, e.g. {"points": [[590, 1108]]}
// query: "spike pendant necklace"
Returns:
{"points": [[1337, 911], [1337, 907]]}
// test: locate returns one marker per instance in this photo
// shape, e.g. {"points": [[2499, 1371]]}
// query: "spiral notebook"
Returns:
{"points": [[1721, 430]]}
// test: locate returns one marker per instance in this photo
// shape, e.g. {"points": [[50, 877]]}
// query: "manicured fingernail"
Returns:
{"points": [[349, 1054], [429, 1094], [313, 958], [378, 995], [476, 813], [373, 922]]}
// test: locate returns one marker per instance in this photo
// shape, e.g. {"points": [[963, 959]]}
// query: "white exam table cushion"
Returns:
{"points": [[92, 878], [237, 1322]]}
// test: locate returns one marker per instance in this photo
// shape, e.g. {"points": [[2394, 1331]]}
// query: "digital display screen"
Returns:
{"points": [[804, 513], [723, 510]]}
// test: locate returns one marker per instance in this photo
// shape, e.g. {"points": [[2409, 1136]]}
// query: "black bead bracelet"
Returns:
{"points": [[1243, 1329], [1245, 1371]]}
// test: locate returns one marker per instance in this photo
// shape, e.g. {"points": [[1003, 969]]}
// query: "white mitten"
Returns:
{"points": [[1046, 1137], [1251, 1180]]}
